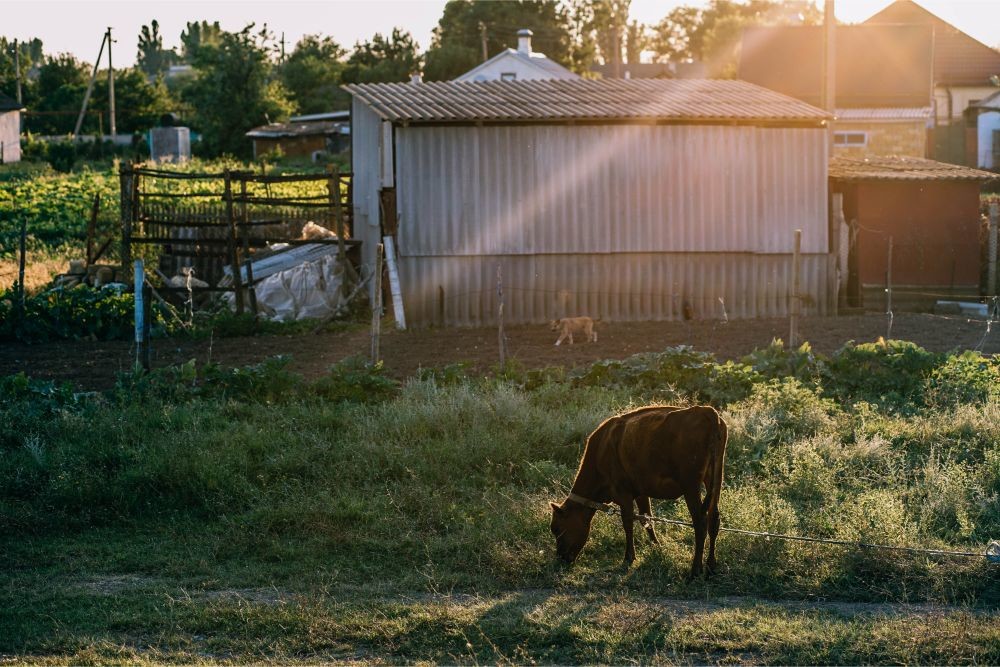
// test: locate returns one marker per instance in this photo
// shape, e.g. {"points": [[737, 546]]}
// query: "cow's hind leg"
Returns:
{"points": [[642, 502], [700, 522], [714, 523], [628, 521]]}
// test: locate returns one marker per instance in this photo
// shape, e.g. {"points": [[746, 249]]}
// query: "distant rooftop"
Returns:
{"points": [[712, 100], [9, 104], [898, 168], [278, 130]]}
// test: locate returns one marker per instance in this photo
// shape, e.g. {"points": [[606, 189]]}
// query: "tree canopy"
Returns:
{"points": [[234, 90], [383, 59], [458, 37], [312, 75]]}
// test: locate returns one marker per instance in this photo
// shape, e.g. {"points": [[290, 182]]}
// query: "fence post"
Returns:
{"points": [[377, 307], [234, 263], [333, 190], [991, 279], [888, 293], [141, 315], [245, 232], [92, 227], [20, 263], [501, 337], [126, 176], [795, 303]]}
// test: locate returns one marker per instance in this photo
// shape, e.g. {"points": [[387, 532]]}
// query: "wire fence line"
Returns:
{"points": [[991, 552]]}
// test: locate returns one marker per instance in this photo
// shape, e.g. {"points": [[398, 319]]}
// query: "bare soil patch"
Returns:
{"points": [[94, 365]]}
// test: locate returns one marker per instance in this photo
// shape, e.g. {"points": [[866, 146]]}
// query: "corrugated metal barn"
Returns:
{"points": [[620, 199]]}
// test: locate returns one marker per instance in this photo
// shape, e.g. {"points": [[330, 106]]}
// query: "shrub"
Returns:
{"points": [[964, 378], [775, 361], [74, 313], [354, 380], [889, 373]]}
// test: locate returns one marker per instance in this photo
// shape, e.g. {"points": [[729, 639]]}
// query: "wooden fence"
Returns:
{"points": [[215, 221]]}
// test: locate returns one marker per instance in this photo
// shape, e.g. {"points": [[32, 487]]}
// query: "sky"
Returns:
{"points": [[77, 26]]}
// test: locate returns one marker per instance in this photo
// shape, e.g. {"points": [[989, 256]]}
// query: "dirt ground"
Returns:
{"points": [[93, 365]]}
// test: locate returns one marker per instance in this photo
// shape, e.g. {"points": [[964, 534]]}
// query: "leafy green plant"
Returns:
{"points": [[890, 373], [74, 313], [963, 378], [354, 380], [777, 361]]}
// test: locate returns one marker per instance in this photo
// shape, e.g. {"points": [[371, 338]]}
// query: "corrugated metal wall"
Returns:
{"points": [[365, 164], [623, 222], [607, 188], [462, 291]]}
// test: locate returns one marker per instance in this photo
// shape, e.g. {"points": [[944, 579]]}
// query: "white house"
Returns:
{"points": [[10, 130], [520, 65]]}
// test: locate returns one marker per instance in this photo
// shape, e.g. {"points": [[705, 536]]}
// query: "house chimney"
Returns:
{"points": [[524, 41], [416, 78]]}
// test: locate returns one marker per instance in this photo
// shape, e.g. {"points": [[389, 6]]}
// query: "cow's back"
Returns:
{"points": [[657, 445]]}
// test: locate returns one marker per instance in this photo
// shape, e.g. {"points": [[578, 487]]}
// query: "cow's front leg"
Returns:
{"points": [[628, 523]]}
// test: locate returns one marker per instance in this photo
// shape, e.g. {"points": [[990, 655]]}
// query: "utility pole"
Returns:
{"points": [[111, 87], [90, 87], [17, 70], [482, 39], [282, 47], [829, 63]]}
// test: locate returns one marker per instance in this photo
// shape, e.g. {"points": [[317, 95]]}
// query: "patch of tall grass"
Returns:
{"points": [[447, 478]]}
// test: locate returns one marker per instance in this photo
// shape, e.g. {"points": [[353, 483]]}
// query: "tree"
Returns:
{"points": [[234, 91], [383, 60], [29, 55], [312, 73], [62, 80], [196, 35], [139, 103], [151, 57], [712, 34], [457, 43]]}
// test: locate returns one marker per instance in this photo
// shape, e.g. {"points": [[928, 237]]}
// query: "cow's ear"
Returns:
{"points": [[555, 508]]}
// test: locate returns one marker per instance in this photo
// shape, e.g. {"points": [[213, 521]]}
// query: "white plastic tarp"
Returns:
{"points": [[308, 290]]}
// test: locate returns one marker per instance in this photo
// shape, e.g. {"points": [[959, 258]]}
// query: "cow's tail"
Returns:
{"points": [[716, 463]]}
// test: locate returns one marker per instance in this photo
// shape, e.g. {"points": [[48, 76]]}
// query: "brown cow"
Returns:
{"points": [[653, 452]]}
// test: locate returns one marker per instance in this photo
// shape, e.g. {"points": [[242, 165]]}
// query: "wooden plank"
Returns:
{"points": [[394, 288]]}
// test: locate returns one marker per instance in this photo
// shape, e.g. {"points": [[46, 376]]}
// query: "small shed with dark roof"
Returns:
{"points": [[301, 139], [620, 199], [10, 129], [930, 210]]}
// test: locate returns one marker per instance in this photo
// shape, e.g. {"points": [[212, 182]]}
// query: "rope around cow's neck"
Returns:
{"points": [[992, 552]]}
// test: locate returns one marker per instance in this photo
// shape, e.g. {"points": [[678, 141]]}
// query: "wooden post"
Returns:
{"points": [[92, 227], [377, 307], [795, 302], [501, 337], [234, 262], [888, 293], [394, 288], [333, 191], [991, 272], [141, 315], [245, 233], [126, 177], [440, 305], [21, 261]]}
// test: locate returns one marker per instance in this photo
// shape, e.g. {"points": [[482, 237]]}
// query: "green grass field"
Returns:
{"points": [[205, 515]]}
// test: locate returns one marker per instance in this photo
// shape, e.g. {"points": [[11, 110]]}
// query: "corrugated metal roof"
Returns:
{"points": [[898, 168], [885, 113], [584, 99], [296, 129]]}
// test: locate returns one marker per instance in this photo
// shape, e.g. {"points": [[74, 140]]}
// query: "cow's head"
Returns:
{"points": [[571, 528]]}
